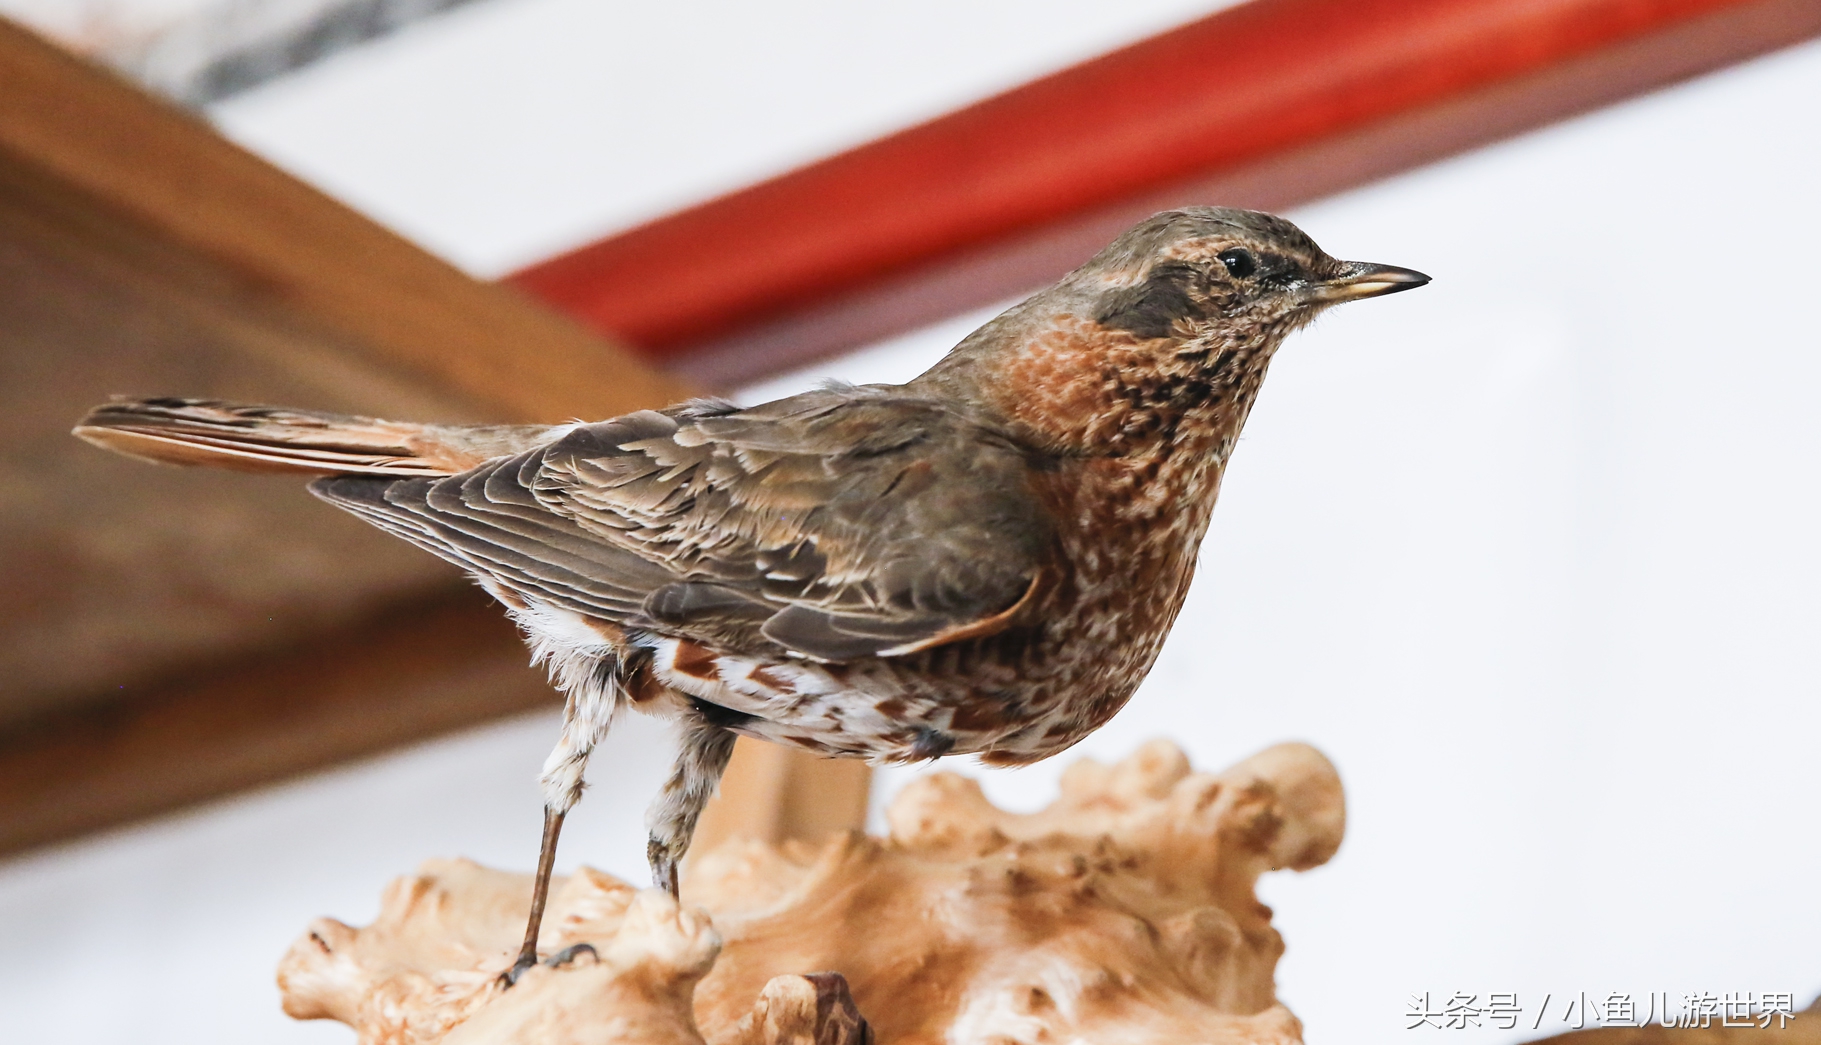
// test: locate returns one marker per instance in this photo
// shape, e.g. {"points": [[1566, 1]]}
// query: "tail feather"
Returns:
{"points": [[271, 439]]}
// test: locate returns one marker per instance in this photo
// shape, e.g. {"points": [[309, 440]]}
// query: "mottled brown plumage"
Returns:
{"points": [[985, 560]]}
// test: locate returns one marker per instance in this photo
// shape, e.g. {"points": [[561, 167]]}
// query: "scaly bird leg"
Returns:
{"points": [[671, 820]]}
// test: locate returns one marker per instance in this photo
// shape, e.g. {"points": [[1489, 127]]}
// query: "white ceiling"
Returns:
{"points": [[504, 132], [501, 132]]}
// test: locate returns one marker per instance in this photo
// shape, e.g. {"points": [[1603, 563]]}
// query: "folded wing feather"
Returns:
{"points": [[839, 524]]}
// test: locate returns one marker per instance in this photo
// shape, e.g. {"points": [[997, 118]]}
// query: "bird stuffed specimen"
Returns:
{"points": [[984, 560]]}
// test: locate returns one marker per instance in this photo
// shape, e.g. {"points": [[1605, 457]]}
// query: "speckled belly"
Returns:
{"points": [[959, 700]]}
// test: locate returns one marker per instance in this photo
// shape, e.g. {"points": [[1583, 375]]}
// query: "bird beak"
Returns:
{"points": [[1362, 279]]}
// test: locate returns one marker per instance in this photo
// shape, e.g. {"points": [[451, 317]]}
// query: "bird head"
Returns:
{"points": [[1169, 329], [1230, 277]]}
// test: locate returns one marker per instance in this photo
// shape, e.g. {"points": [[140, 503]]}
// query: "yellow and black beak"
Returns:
{"points": [[1363, 279]]}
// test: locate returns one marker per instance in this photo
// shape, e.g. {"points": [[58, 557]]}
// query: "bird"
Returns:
{"points": [[983, 560]]}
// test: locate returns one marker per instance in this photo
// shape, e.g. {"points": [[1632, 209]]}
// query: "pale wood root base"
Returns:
{"points": [[1123, 913]]}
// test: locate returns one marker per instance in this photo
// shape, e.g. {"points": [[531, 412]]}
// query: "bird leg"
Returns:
{"points": [[586, 718], [671, 819], [540, 892]]}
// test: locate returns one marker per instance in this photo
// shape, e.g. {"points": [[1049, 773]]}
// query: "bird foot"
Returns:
{"points": [[509, 978], [571, 953], [567, 955]]}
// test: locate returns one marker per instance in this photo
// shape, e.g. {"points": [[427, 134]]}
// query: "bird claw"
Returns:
{"points": [[570, 953], [509, 978]]}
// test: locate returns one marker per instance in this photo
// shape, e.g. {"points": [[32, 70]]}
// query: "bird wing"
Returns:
{"points": [[842, 523]]}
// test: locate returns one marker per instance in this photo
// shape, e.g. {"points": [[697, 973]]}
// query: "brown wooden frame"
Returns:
{"points": [[149, 189]]}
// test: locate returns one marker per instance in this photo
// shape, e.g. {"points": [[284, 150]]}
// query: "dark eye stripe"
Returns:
{"points": [[1152, 308]]}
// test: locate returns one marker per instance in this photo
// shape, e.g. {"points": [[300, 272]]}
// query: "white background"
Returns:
{"points": [[1531, 553]]}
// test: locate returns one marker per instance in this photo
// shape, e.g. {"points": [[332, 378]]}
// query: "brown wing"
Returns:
{"points": [[842, 523]]}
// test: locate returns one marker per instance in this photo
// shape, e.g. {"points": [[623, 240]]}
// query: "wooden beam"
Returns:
{"points": [[414, 672], [118, 573], [177, 635], [1271, 104], [164, 169], [424, 669]]}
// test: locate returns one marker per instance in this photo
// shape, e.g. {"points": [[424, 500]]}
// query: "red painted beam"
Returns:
{"points": [[1225, 93]]}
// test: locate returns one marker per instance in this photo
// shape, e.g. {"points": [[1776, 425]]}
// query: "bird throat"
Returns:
{"points": [[1079, 390]]}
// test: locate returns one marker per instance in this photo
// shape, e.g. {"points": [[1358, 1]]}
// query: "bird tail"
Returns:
{"points": [[272, 439]]}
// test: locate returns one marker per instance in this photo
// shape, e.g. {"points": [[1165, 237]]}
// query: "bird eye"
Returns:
{"points": [[1239, 262]]}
